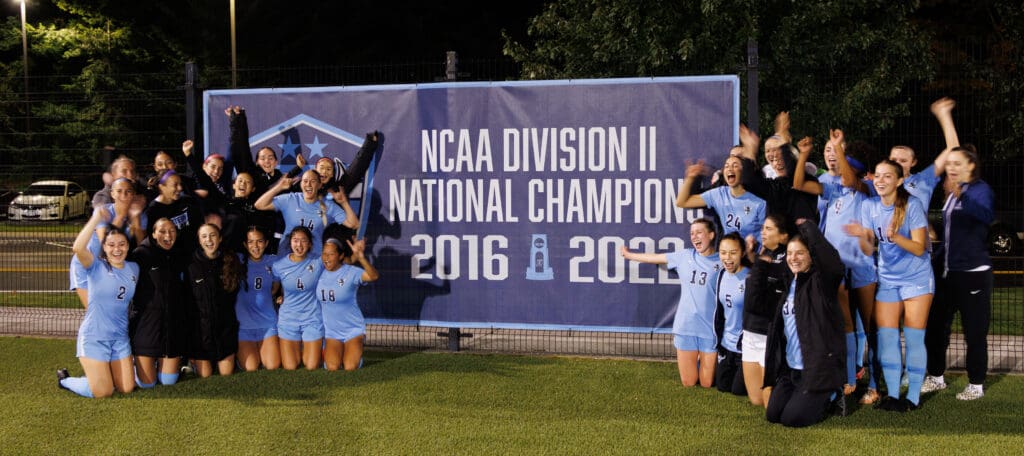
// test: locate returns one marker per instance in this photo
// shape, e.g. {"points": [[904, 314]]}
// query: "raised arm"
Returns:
{"points": [[782, 126], [943, 111], [685, 199], [238, 141], [266, 200], [800, 181], [749, 142], [81, 245], [195, 168], [823, 254], [370, 273], [652, 258], [341, 199]]}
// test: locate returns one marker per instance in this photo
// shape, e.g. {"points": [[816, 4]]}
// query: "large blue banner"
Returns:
{"points": [[506, 204]]}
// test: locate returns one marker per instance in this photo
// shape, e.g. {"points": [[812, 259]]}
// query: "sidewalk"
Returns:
{"points": [[1006, 353]]}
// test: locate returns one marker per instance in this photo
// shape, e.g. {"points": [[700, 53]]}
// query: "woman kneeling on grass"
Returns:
{"points": [[343, 321], [103, 346], [805, 355], [300, 326], [694, 326], [214, 277], [257, 319]]}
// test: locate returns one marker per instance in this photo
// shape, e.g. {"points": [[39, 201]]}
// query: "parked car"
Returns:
{"points": [[1005, 234], [49, 200]]}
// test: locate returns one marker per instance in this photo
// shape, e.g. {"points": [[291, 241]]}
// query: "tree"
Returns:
{"points": [[829, 63]]}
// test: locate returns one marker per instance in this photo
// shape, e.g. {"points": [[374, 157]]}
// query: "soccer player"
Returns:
{"points": [[300, 324], [693, 328], [895, 225], [345, 328], [103, 348], [730, 290], [257, 320]]}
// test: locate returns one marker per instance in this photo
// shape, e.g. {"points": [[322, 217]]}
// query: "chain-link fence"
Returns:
{"points": [[54, 142]]}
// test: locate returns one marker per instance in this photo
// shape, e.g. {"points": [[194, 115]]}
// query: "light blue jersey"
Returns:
{"points": [[897, 267], [695, 314], [744, 214], [920, 185], [110, 291], [844, 207], [76, 272], [731, 289], [825, 179], [794, 357], [254, 306], [298, 281], [336, 291], [297, 212]]}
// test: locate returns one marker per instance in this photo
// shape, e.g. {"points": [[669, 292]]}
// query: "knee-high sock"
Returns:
{"points": [[77, 385], [851, 358], [889, 353], [917, 362], [862, 339], [875, 366], [168, 379]]}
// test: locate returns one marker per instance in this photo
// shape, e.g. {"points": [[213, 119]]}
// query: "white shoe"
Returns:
{"points": [[931, 384], [971, 392]]}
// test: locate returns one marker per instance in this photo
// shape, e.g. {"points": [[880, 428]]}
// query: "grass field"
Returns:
{"points": [[427, 403]]}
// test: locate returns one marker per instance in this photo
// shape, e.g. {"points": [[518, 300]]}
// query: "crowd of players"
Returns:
{"points": [[811, 270], [190, 269]]}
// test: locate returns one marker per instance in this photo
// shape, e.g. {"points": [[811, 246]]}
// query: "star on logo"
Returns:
{"points": [[288, 148], [316, 149]]}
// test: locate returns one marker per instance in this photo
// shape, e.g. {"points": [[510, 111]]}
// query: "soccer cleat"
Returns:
{"points": [[907, 406], [869, 397], [932, 384], [892, 404], [971, 392], [61, 375]]}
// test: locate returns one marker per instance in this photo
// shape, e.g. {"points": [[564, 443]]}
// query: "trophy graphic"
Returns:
{"points": [[539, 268]]}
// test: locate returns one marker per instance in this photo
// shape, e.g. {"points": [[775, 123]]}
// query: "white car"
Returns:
{"points": [[49, 200]]}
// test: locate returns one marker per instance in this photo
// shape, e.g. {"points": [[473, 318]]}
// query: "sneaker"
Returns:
{"points": [[869, 397], [971, 392], [849, 389], [932, 384], [61, 375]]}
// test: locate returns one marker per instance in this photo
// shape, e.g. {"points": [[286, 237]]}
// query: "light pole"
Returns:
{"points": [[24, 64], [234, 57]]}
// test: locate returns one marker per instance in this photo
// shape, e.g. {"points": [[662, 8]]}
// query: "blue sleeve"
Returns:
{"points": [[830, 189], [334, 212], [916, 216], [283, 202], [675, 259], [713, 197]]}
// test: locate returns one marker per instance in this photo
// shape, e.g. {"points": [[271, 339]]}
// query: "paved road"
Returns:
{"points": [[35, 260]]}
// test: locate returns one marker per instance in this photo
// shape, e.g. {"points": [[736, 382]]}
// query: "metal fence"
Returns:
{"points": [[34, 146]]}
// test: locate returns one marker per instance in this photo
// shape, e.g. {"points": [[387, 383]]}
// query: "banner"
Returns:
{"points": [[506, 204]]}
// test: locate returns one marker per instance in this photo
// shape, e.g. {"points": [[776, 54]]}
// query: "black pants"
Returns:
{"points": [[970, 293], [729, 373], [794, 406]]}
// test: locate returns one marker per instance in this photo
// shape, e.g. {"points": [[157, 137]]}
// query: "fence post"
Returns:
{"points": [[451, 73], [752, 96], [191, 119]]}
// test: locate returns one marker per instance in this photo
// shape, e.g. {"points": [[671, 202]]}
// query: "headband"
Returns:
{"points": [[213, 156], [856, 164], [167, 174]]}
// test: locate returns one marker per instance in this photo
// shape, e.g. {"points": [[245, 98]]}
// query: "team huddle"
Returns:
{"points": [[175, 268], [812, 271]]}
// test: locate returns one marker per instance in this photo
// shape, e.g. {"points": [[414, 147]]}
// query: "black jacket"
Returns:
{"points": [[766, 284], [157, 323], [819, 321], [778, 193], [211, 316]]}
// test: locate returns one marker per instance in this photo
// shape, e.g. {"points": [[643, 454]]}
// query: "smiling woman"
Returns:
{"points": [[49, 200]]}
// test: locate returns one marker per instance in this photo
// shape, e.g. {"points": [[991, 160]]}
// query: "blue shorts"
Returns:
{"points": [[346, 334], [103, 350], [862, 276], [256, 335], [694, 343], [308, 332], [890, 293]]}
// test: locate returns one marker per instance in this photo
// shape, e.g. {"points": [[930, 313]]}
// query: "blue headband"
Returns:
{"points": [[855, 164]]}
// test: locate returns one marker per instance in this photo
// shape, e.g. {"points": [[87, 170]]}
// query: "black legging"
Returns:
{"points": [[794, 407], [729, 373], [970, 293]]}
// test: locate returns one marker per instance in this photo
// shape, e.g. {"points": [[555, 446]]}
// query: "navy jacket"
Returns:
{"points": [[966, 226]]}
